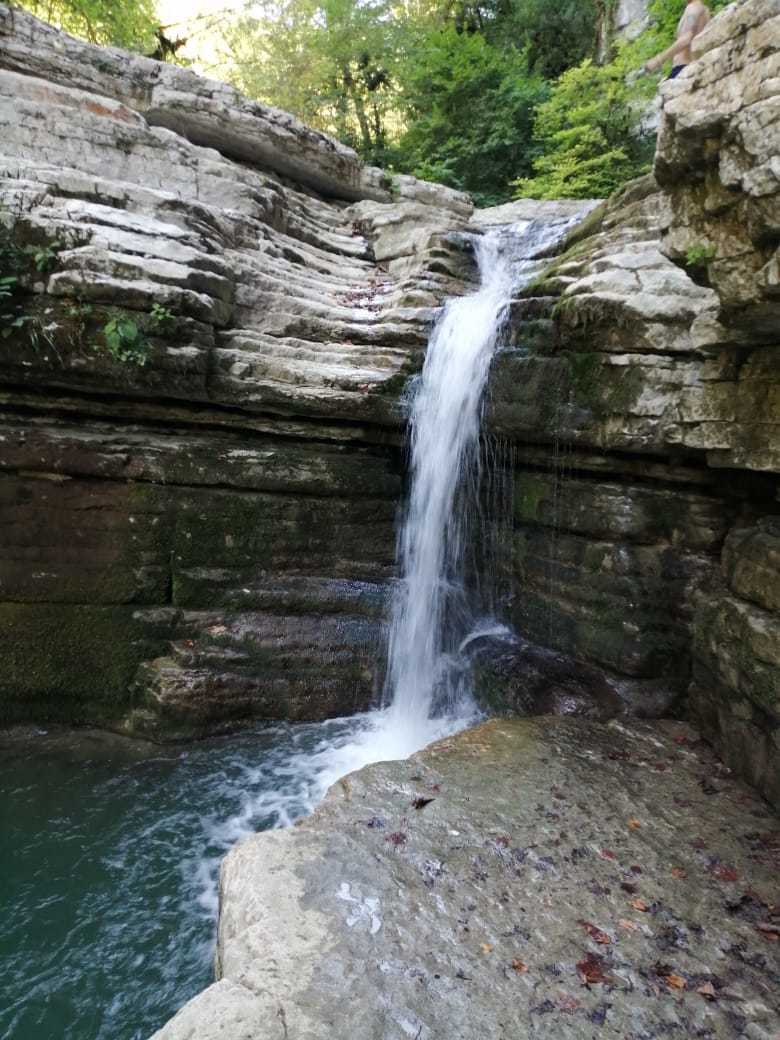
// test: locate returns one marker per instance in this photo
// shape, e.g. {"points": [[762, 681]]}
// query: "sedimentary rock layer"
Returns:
{"points": [[207, 536], [641, 392]]}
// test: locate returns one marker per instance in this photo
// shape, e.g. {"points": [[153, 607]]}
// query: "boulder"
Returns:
{"points": [[556, 875]]}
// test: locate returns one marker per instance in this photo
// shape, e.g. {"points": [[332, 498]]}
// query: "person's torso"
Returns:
{"points": [[702, 16]]}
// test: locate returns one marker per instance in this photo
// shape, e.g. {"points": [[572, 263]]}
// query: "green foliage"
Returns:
{"points": [[129, 23], [160, 318], [557, 34], [16, 264], [587, 133], [700, 254], [331, 62], [471, 113], [125, 341], [44, 257]]}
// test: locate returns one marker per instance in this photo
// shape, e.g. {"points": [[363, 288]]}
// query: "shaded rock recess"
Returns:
{"points": [[209, 537]]}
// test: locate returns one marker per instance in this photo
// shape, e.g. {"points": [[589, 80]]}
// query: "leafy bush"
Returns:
{"points": [[587, 134], [125, 342], [471, 113], [131, 23]]}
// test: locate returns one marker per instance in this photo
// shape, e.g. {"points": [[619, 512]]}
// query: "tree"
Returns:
{"points": [[331, 62], [132, 24], [469, 112], [588, 136], [557, 34]]}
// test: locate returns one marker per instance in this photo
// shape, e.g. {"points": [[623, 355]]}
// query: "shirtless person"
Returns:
{"points": [[694, 18]]}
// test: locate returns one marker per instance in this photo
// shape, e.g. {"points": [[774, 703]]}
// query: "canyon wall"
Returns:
{"points": [[642, 392], [212, 314], [208, 536]]}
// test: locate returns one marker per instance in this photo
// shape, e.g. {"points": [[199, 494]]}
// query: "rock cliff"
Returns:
{"points": [[209, 316], [642, 395]]}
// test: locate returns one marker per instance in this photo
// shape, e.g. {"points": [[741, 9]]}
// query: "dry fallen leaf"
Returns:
{"points": [[487, 947], [568, 1003], [639, 904], [519, 967], [725, 873], [591, 969], [675, 981], [420, 803], [634, 823], [595, 933], [678, 872], [629, 926], [769, 931], [707, 990]]}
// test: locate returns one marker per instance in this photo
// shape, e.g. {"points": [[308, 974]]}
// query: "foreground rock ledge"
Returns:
{"points": [[562, 879]]}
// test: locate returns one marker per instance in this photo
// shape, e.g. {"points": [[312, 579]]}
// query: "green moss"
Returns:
{"points": [[530, 493], [602, 388], [586, 378], [60, 657]]}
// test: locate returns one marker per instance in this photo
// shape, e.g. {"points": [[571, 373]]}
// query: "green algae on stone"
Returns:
{"points": [[62, 657]]}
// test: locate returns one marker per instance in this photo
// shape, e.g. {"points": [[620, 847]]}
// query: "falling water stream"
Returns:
{"points": [[111, 850]]}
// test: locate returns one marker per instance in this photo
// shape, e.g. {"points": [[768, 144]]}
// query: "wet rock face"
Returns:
{"points": [[640, 391], [560, 878], [736, 678], [209, 536]]}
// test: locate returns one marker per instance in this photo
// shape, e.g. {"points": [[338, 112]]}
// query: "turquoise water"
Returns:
{"points": [[109, 855]]}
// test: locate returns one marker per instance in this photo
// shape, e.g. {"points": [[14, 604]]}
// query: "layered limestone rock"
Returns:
{"points": [[554, 878], [641, 391], [208, 535], [717, 158]]}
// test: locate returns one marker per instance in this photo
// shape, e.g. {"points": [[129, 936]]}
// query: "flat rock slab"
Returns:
{"points": [[545, 877]]}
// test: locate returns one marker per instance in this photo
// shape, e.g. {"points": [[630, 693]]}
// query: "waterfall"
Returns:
{"points": [[431, 613], [428, 690]]}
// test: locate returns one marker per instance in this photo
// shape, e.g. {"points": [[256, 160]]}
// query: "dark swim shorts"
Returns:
{"points": [[676, 71]]}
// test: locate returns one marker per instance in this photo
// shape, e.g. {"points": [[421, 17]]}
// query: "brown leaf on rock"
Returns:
{"points": [[707, 990], [591, 969], [420, 803], [639, 904], [723, 873], [487, 947], [634, 823], [519, 967], [595, 933], [770, 931], [568, 1003], [675, 981], [629, 926], [678, 872]]}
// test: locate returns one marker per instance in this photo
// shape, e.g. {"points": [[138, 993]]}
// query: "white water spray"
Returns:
{"points": [[430, 612]]}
